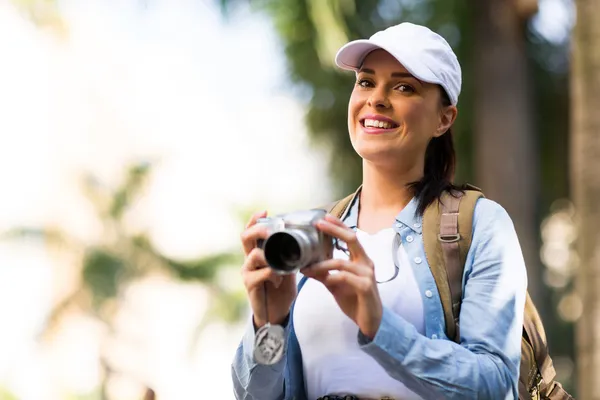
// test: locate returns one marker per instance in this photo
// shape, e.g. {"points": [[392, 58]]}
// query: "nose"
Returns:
{"points": [[379, 98]]}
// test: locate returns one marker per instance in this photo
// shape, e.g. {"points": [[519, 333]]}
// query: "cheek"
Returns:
{"points": [[420, 119], [354, 106]]}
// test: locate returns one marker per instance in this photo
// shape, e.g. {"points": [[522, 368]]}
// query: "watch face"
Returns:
{"points": [[269, 344]]}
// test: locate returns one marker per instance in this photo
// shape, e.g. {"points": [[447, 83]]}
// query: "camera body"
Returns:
{"points": [[294, 242]]}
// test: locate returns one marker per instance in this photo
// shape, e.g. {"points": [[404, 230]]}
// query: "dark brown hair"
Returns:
{"points": [[440, 165]]}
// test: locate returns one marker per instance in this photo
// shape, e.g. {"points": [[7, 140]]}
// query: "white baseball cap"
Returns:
{"points": [[424, 53]]}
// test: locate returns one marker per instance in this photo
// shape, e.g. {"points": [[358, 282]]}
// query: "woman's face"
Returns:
{"points": [[392, 116]]}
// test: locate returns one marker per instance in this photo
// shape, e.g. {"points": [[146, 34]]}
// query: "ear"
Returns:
{"points": [[447, 117]]}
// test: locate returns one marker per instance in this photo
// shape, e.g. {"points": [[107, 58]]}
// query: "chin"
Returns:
{"points": [[375, 151]]}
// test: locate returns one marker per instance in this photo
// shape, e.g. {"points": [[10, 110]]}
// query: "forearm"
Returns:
{"points": [[437, 369]]}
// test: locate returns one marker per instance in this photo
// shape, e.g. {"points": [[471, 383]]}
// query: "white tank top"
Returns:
{"points": [[332, 359]]}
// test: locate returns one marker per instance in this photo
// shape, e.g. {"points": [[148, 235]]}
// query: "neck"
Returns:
{"points": [[383, 195], [386, 189]]}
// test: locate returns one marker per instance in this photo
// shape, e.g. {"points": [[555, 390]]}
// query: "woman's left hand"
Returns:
{"points": [[354, 286]]}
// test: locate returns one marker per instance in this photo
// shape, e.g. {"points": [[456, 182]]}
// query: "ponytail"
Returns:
{"points": [[440, 165]]}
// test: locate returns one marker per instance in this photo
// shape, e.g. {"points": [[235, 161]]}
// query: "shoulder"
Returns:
{"points": [[493, 229], [495, 256], [494, 235], [489, 214]]}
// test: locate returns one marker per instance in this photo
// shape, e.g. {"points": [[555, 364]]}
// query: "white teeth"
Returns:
{"points": [[377, 124]]}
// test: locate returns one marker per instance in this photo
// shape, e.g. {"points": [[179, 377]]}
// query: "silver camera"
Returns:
{"points": [[294, 242]]}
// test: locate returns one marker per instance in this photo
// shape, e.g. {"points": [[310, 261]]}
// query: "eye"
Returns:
{"points": [[364, 83], [403, 87]]}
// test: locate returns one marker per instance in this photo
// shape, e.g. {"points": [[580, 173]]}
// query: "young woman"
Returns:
{"points": [[370, 325]]}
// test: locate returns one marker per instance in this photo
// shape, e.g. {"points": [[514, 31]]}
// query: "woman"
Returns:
{"points": [[371, 325]]}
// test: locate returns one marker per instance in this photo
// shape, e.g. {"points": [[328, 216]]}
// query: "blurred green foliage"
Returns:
{"points": [[7, 395], [121, 257]]}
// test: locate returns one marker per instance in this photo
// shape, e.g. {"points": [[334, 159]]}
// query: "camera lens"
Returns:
{"points": [[283, 251]]}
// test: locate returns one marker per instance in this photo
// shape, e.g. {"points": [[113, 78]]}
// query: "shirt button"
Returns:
{"points": [[434, 336], [409, 238], [418, 260], [428, 293], [399, 225], [417, 225]]}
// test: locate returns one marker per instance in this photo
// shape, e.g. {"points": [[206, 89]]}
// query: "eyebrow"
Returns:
{"points": [[394, 74]]}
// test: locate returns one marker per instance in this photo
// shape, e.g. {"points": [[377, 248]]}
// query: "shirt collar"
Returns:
{"points": [[408, 216]]}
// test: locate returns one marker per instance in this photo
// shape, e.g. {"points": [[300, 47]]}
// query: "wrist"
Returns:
{"points": [[259, 323], [370, 331]]}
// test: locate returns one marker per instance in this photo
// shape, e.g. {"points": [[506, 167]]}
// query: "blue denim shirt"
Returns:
{"points": [[485, 365]]}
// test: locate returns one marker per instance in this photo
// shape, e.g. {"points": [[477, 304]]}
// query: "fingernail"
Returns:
{"points": [[278, 281]]}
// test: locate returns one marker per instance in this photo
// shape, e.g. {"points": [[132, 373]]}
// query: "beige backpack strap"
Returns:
{"points": [[339, 207], [447, 234], [536, 335], [449, 238], [557, 392]]}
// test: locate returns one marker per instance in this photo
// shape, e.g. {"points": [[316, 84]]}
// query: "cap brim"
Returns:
{"points": [[352, 54]]}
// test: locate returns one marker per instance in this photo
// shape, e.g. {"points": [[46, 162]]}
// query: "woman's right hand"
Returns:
{"points": [[280, 289]]}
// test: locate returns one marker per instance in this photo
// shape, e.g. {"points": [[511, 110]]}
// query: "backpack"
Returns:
{"points": [[447, 231]]}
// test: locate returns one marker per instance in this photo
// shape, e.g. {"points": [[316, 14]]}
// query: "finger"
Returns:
{"points": [[334, 220], [343, 278], [251, 235], [255, 217], [255, 260], [276, 279], [338, 265], [345, 234], [253, 279]]}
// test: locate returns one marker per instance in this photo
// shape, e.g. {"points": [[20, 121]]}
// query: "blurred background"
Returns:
{"points": [[138, 137]]}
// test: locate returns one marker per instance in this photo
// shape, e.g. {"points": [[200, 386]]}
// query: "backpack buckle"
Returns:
{"points": [[535, 391], [449, 238]]}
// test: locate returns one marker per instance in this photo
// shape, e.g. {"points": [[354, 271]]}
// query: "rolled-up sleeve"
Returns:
{"points": [[252, 381], [485, 365]]}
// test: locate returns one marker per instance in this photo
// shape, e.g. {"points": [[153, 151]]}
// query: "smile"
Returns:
{"points": [[378, 124], [374, 123]]}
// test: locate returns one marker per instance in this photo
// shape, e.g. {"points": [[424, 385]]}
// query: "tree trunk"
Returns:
{"points": [[585, 179], [506, 155]]}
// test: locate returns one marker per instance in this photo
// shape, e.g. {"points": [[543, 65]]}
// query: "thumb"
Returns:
{"points": [[277, 280]]}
